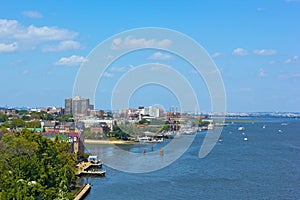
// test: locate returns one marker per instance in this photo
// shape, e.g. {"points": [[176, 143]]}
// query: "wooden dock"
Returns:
{"points": [[87, 165], [83, 192], [92, 173], [83, 169]]}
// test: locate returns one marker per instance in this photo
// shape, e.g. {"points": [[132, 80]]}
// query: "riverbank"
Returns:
{"points": [[94, 141]]}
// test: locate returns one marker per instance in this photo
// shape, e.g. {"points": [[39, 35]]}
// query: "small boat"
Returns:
{"points": [[210, 127], [155, 140], [147, 139], [264, 126], [245, 139], [143, 139], [241, 128], [170, 135]]}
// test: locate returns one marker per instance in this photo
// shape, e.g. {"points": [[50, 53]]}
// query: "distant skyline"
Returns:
{"points": [[254, 44]]}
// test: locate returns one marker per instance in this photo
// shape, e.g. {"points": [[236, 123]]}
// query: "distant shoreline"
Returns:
{"points": [[94, 141]]}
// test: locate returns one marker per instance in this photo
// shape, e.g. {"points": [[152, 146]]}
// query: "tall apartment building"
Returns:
{"points": [[77, 106], [68, 106]]}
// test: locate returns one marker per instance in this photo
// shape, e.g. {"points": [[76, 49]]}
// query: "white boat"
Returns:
{"points": [[170, 135], [188, 131], [144, 139], [241, 128], [147, 139], [155, 140], [264, 126], [210, 127], [245, 139]]}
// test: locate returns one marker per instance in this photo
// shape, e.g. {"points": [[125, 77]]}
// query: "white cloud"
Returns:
{"points": [[261, 73], [11, 31], [62, 46], [121, 69], [8, 47], [160, 56], [73, 60], [160, 67], [215, 55], [265, 52], [32, 14], [240, 52], [131, 42], [293, 60], [108, 75], [9, 27], [44, 33]]}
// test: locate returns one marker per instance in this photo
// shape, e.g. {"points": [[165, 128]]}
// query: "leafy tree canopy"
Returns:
{"points": [[3, 117], [17, 123], [34, 167]]}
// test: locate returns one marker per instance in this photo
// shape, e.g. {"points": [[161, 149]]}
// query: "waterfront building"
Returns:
{"points": [[88, 123]]}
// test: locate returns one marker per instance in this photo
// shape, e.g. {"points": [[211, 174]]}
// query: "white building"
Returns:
{"points": [[154, 111]]}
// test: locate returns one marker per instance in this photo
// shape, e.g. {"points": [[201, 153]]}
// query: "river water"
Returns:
{"points": [[267, 166]]}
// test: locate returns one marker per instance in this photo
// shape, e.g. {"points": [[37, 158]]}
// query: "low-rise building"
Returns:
{"points": [[88, 123]]}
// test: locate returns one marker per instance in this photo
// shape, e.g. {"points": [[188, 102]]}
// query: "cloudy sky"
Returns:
{"points": [[254, 43]]}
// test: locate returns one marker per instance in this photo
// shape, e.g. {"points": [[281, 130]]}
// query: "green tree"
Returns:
{"points": [[3, 117], [3, 130], [33, 124], [22, 112], [64, 118], [17, 123], [119, 133], [26, 117], [5, 125], [34, 167], [35, 115], [47, 116]]}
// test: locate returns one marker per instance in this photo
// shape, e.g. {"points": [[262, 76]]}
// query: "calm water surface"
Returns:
{"points": [[267, 166]]}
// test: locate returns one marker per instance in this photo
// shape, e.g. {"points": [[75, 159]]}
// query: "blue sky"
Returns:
{"points": [[254, 43]]}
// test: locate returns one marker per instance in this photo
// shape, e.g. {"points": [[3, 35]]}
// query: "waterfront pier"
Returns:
{"points": [[84, 168], [83, 192]]}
